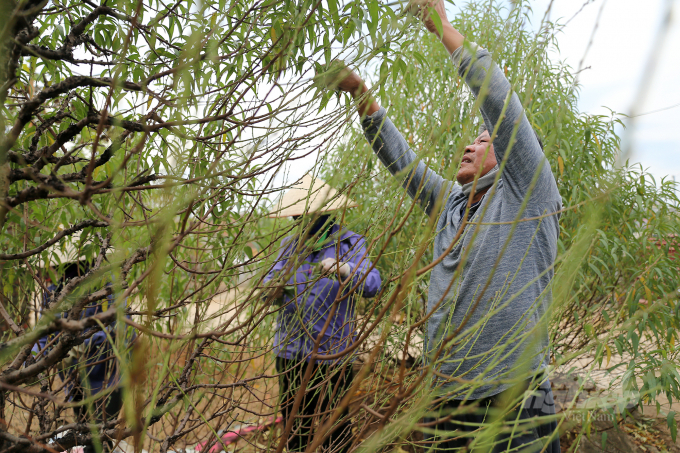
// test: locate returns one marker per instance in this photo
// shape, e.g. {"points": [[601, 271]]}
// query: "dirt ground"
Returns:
{"points": [[636, 433], [635, 429], [642, 431]]}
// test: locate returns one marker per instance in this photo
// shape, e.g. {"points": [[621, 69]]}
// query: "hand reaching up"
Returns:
{"points": [[425, 9], [337, 76]]}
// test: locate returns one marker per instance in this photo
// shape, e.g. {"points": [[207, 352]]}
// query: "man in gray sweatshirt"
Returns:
{"points": [[487, 339]]}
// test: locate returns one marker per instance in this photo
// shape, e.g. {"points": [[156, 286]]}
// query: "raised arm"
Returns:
{"points": [[393, 151], [515, 134], [526, 153], [360, 266], [391, 147]]}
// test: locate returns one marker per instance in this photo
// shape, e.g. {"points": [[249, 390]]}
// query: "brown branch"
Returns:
{"points": [[30, 194], [24, 33], [8, 319], [64, 53], [29, 445], [30, 107], [65, 136], [54, 240], [46, 124], [73, 39]]}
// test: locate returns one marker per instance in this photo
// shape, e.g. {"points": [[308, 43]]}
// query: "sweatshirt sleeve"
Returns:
{"points": [[281, 259], [360, 266], [526, 156], [393, 151]]}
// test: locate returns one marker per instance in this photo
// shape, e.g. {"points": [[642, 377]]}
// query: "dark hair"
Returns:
{"points": [[482, 128]]}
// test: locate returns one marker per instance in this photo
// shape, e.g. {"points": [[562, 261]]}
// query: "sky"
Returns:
{"points": [[626, 34]]}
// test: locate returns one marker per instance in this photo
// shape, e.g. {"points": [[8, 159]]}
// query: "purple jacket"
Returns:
{"points": [[313, 300]]}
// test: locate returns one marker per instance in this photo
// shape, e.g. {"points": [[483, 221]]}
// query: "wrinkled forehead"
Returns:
{"points": [[483, 133]]}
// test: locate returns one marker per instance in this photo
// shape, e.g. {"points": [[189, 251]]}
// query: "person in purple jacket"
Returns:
{"points": [[317, 281]]}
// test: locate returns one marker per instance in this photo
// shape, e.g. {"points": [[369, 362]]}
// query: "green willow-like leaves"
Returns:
{"points": [[149, 139], [615, 307]]}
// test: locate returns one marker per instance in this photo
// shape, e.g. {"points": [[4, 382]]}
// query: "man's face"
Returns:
{"points": [[473, 159]]}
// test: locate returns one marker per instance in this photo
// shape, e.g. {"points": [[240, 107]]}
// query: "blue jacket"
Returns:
{"points": [[101, 370]]}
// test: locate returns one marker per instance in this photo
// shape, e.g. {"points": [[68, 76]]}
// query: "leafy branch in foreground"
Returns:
{"points": [[141, 146]]}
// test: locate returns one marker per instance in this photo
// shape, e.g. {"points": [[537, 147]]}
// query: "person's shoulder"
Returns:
{"points": [[351, 237], [454, 197], [287, 242]]}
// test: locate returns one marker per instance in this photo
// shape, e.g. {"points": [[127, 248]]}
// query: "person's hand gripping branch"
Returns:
{"points": [[433, 15], [337, 76], [329, 265]]}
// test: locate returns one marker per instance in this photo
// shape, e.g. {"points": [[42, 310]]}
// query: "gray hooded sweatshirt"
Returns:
{"points": [[487, 319]]}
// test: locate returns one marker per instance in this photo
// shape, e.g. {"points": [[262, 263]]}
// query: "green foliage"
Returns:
{"points": [[615, 298], [148, 140]]}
